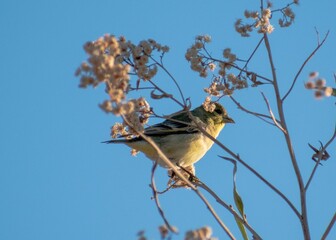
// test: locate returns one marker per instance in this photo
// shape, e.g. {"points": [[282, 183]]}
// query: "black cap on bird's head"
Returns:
{"points": [[220, 111]]}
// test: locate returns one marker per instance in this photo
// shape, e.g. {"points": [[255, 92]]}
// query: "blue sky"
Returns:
{"points": [[57, 181]]}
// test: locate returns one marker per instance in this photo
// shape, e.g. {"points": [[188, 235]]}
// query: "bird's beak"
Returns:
{"points": [[227, 119]]}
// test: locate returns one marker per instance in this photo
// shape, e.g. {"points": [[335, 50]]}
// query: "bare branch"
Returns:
{"points": [[258, 115], [157, 202], [225, 228], [330, 225], [252, 54], [164, 92], [180, 175], [236, 157], [319, 156], [160, 64], [228, 207], [304, 215], [238, 68], [303, 65], [272, 115]]}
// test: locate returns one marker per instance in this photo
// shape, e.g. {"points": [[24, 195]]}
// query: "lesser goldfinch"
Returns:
{"points": [[179, 138]]}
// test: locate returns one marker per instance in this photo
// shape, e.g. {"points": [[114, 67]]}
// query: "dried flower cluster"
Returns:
{"points": [[226, 85], [208, 105], [319, 86], [175, 181], [203, 233], [194, 56], [288, 17], [260, 22], [202, 62], [112, 61], [136, 112]]}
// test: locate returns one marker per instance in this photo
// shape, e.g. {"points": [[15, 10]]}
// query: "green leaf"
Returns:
{"points": [[238, 200], [242, 229]]}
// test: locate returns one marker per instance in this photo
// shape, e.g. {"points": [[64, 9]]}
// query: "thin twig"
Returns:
{"points": [[214, 214], [157, 202], [252, 54], [160, 64], [272, 115], [164, 92], [303, 65], [330, 225], [238, 68], [319, 156], [304, 215], [283, 8], [236, 157], [228, 207], [258, 115], [163, 157]]}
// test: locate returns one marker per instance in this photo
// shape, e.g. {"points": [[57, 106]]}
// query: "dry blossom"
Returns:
{"points": [[201, 62], [193, 56], [204, 233], [261, 20], [208, 105], [319, 86], [112, 61]]}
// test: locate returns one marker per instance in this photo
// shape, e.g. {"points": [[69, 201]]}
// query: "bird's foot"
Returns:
{"points": [[188, 172]]}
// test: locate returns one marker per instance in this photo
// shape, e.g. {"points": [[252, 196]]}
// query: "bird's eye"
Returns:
{"points": [[219, 111]]}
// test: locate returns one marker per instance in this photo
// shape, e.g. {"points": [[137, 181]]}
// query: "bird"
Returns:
{"points": [[179, 138]]}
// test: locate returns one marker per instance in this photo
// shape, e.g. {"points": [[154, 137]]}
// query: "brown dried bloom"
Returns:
{"points": [[229, 56], [319, 86], [134, 152], [175, 181], [106, 106], [163, 231], [203, 233], [310, 85], [320, 83], [287, 18], [141, 235], [243, 29], [193, 55], [329, 91], [208, 105], [118, 129], [318, 94], [214, 89], [212, 66], [207, 38], [313, 75]]}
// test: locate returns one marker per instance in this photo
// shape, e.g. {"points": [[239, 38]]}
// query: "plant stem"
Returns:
{"points": [[304, 215]]}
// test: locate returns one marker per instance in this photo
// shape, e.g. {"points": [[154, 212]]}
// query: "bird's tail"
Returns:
{"points": [[121, 140], [115, 141]]}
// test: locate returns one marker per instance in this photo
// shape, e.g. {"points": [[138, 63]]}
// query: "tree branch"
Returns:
{"points": [[303, 65], [319, 156], [252, 54], [258, 115], [330, 225], [304, 216], [157, 202], [228, 207], [236, 157], [171, 76], [272, 115], [163, 157]]}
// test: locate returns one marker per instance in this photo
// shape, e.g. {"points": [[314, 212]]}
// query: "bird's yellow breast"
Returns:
{"points": [[184, 149]]}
